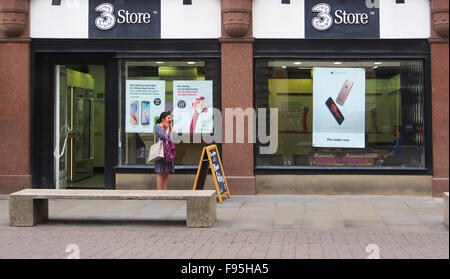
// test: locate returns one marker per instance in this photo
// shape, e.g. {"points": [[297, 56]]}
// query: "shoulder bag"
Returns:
{"points": [[156, 150]]}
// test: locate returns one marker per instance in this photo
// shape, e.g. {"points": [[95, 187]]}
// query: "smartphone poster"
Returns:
{"points": [[339, 107], [145, 100], [193, 106]]}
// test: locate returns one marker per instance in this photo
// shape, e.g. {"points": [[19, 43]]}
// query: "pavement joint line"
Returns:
{"points": [[176, 229]]}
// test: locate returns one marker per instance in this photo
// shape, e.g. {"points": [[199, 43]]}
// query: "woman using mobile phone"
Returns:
{"points": [[166, 165]]}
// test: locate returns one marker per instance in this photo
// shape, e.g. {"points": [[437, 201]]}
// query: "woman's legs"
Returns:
{"points": [[166, 180], [160, 181]]}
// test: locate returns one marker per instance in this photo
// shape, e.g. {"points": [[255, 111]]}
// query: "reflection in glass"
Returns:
{"points": [[394, 114], [134, 147]]}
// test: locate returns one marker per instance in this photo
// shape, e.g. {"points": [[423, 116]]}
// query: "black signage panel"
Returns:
{"points": [[210, 158], [342, 19], [217, 168], [125, 19]]}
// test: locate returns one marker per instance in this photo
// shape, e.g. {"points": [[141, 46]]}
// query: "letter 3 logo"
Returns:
{"points": [[323, 21], [106, 20]]}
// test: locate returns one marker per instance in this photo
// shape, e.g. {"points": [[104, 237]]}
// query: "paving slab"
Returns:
{"points": [[388, 204], [418, 204], [393, 212], [427, 211], [365, 225], [430, 219], [403, 220]]}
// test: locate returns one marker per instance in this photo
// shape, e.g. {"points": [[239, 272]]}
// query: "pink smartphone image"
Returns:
{"points": [[343, 94]]}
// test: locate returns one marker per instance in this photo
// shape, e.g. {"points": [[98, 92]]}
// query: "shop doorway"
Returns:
{"points": [[79, 138]]}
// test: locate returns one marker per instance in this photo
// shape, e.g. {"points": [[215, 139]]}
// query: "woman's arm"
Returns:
{"points": [[169, 131], [171, 135]]}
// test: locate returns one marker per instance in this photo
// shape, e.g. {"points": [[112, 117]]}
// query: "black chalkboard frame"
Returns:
{"points": [[202, 172]]}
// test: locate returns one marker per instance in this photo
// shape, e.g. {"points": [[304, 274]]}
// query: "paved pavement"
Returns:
{"points": [[274, 226]]}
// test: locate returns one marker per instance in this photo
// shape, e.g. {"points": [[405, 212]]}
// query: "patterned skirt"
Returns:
{"points": [[162, 167]]}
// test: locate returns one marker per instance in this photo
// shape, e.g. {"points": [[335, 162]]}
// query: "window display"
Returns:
{"points": [[189, 89], [344, 114]]}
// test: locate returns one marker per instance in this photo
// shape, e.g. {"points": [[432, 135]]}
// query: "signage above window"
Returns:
{"points": [[341, 19], [125, 19]]}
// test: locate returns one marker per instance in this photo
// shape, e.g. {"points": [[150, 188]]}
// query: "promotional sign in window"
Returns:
{"points": [[125, 19], [342, 19], [144, 102], [193, 106], [339, 107]]}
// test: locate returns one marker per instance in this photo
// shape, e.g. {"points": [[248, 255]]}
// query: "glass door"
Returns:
{"points": [[79, 122], [63, 130]]}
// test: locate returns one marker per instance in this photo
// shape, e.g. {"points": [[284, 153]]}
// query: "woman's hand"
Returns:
{"points": [[167, 127]]}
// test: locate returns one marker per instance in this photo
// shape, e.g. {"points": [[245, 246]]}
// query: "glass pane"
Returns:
{"points": [[147, 89], [64, 121], [393, 131]]}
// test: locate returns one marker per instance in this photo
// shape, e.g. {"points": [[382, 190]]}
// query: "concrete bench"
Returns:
{"points": [[29, 207]]}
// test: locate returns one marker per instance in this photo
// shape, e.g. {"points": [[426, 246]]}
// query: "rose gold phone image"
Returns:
{"points": [[343, 94]]}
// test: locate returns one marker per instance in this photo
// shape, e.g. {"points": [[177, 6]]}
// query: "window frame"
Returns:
{"points": [[182, 169], [349, 50]]}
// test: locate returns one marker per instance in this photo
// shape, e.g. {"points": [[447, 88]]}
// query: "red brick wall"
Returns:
{"points": [[440, 92], [14, 98]]}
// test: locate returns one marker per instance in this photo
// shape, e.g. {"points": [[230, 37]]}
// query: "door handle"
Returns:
{"points": [[56, 153]]}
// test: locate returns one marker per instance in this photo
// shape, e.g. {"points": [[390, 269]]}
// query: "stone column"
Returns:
{"points": [[14, 96], [440, 91], [237, 89]]}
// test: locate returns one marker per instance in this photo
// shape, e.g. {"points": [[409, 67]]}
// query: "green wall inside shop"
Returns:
{"points": [[291, 96]]}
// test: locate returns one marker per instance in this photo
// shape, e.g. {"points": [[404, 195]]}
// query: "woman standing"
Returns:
{"points": [[166, 165]]}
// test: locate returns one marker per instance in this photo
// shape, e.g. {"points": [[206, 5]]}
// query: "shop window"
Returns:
{"points": [[343, 114], [148, 88]]}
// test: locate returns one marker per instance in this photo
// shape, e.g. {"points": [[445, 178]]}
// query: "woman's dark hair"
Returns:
{"points": [[163, 115]]}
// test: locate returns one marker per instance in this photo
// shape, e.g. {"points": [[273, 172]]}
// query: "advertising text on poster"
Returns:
{"points": [[145, 100], [193, 106]]}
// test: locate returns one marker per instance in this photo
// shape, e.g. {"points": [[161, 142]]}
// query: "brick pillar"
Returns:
{"points": [[440, 91], [14, 96], [237, 89]]}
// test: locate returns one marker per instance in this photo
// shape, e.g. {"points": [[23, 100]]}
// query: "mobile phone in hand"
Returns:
{"points": [[335, 111]]}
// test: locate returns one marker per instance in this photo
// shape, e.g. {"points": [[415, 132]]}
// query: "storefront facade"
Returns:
{"points": [[101, 71]]}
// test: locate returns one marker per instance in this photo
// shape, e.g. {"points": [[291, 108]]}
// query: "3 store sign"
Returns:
{"points": [[124, 19], [342, 19], [324, 20], [107, 20]]}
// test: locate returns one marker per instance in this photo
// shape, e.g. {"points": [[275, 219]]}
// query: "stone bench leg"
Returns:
{"points": [[26, 212], [201, 212]]}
